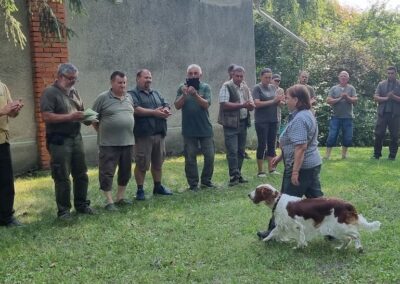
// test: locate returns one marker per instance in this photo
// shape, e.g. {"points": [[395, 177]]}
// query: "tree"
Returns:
{"points": [[50, 26], [362, 43]]}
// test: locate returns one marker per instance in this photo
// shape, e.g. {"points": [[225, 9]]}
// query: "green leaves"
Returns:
{"points": [[50, 26], [11, 24]]}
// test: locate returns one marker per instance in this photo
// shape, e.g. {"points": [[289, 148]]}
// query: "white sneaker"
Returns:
{"points": [[261, 175], [274, 172]]}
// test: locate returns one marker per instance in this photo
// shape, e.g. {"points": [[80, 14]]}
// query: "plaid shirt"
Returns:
{"points": [[302, 128], [224, 97]]}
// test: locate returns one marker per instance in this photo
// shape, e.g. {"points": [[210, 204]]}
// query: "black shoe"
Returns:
{"points": [[194, 188], [162, 190], [242, 180], [375, 158], [391, 158], [140, 195], [86, 210], [66, 216], [123, 202], [208, 185], [14, 223], [263, 234], [233, 181], [111, 207]]}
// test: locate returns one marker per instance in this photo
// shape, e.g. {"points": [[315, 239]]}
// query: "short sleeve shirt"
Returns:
{"points": [[268, 113], [59, 101], [148, 125], [5, 98], [115, 119], [302, 128], [342, 109], [386, 87], [224, 97], [195, 119]]}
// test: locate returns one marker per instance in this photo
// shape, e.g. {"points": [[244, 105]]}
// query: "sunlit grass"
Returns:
{"points": [[206, 236]]}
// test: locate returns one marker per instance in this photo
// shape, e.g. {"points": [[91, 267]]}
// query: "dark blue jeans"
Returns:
{"points": [[207, 148], [235, 143], [346, 125]]}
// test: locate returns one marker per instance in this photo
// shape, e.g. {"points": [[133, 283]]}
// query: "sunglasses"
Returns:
{"points": [[277, 80]]}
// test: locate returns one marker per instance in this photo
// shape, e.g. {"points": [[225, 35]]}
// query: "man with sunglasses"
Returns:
{"points": [[387, 95], [62, 111]]}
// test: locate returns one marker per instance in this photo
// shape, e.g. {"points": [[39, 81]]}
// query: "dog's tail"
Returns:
{"points": [[368, 226]]}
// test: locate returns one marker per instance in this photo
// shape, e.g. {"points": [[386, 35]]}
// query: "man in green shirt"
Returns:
{"points": [[196, 127], [115, 138], [62, 111]]}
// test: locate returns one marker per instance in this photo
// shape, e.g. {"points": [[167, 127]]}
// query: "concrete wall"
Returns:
{"points": [[165, 37], [16, 73]]}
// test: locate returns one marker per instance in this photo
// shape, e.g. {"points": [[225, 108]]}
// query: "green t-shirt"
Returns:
{"points": [[115, 119], [195, 119], [59, 101]]}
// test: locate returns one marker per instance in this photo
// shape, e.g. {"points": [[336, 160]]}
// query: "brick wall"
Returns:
{"points": [[45, 59]]}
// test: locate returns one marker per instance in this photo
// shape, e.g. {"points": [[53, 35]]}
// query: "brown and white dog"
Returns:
{"points": [[302, 220]]}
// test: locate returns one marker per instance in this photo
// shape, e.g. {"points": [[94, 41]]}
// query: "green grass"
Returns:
{"points": [[207, 236]]}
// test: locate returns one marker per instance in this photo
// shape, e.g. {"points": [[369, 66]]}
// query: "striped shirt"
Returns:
{"points": [[302, 128]]}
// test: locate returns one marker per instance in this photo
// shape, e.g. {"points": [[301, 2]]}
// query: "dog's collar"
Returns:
{"points": [[276, 203]]}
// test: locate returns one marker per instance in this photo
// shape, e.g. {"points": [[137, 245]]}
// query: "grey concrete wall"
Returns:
{"points": [[164, 36], [16, 73]]}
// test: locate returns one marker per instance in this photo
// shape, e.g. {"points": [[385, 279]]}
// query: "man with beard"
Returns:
{"points": [[151, 113], [62, 111], [387, 95]]}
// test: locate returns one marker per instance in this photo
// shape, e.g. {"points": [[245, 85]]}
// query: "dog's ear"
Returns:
{"points": [[264, 192], [269, 195]]}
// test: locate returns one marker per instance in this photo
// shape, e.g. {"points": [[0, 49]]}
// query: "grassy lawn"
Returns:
{"points": [[206, 236]]}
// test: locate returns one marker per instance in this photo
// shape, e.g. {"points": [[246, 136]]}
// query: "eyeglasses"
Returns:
{"points": [[277, 81], [71, 78]]}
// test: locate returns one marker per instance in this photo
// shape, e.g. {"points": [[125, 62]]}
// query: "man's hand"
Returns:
{"points": [[185, 90], [249, 105], [76, 116], [162, 112], [275, 161], [279, 98], [391, 95], [12, 109], [295, 178], [191, 90]]}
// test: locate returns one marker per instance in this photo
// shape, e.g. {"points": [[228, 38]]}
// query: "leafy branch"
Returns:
{"points": [[51, 28], [11, 25]]}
